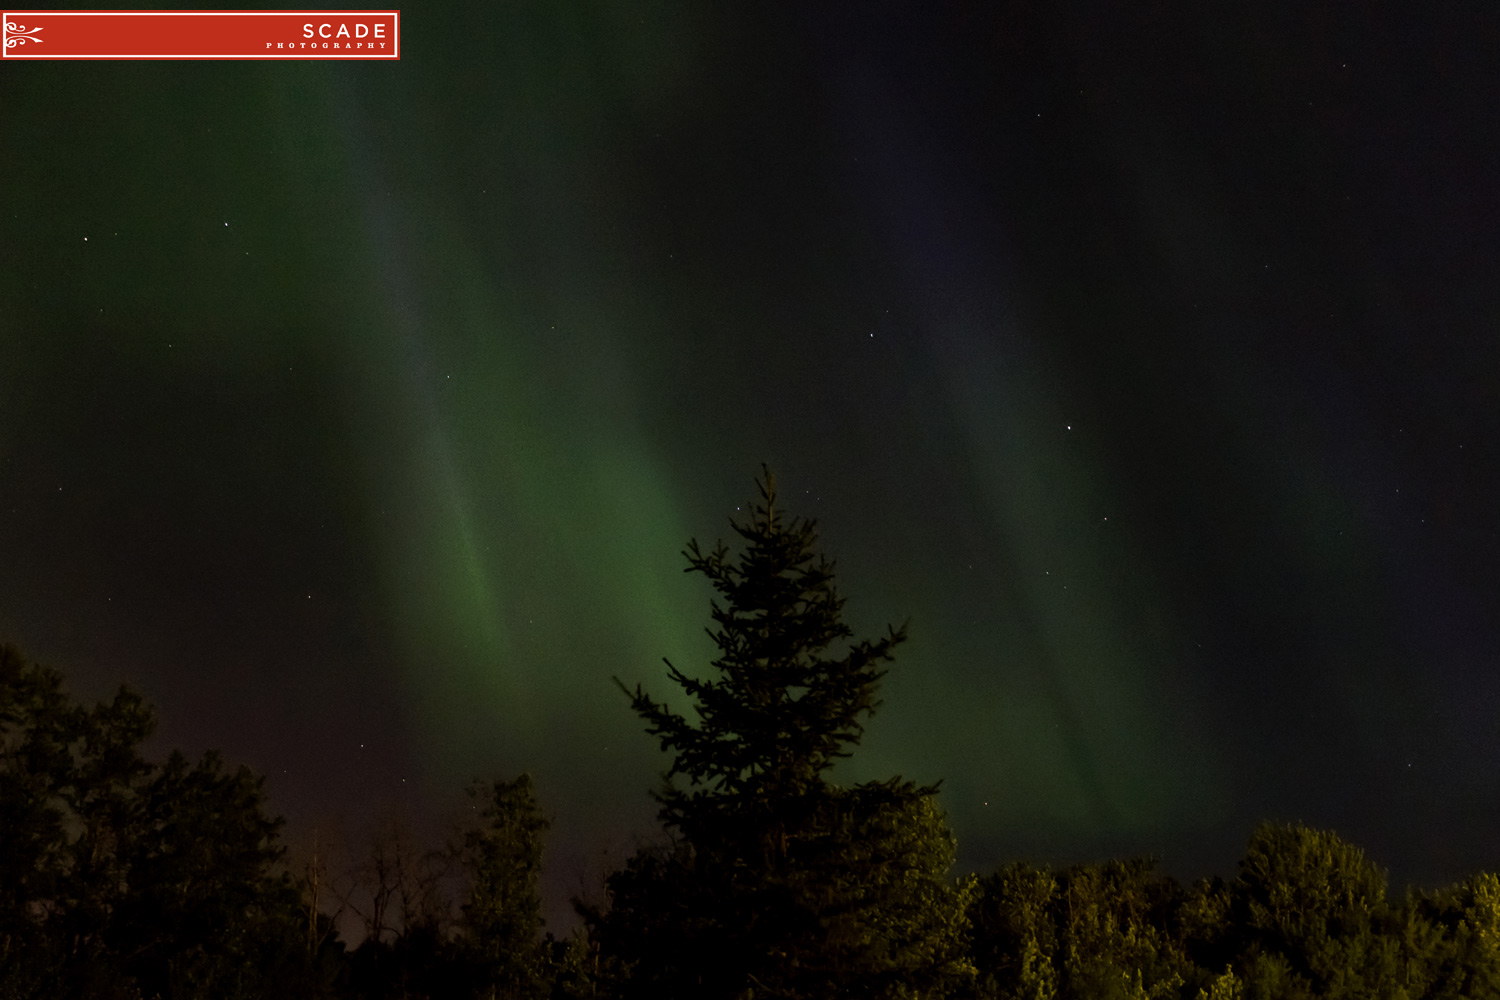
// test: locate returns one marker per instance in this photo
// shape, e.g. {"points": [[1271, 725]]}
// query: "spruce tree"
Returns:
{"points": [[777, 882]]}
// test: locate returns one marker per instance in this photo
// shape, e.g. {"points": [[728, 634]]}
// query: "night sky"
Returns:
{"points": [[1145, 356]]}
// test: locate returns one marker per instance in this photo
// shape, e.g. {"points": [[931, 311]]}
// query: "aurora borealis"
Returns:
{"points": [[1145, 360]]}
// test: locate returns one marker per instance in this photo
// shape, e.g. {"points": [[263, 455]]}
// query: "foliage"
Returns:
{"points": [[502, 917], [781, 710], [1307, 917], [119, 877], [1223, 987], [1014, 937], [1311, 914], [1090, 931], [1451, 939], [124, 879], [777, 882]]}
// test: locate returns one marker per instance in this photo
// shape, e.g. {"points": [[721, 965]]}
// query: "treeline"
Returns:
{"points": [[123, 878]]}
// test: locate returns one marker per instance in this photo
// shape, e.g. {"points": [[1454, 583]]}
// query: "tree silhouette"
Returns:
{"points": [[399, 893], [778, 882], [782, 710], [502, 915], [119, 877]]}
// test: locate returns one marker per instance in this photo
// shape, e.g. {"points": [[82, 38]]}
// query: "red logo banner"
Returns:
{"points": [[201, 34]]}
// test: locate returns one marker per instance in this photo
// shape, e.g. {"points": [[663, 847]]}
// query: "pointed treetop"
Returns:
{"points": [[785, 704]]}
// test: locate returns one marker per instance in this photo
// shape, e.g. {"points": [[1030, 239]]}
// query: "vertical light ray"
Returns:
{"points": [[1099, 732], [534, 549]]}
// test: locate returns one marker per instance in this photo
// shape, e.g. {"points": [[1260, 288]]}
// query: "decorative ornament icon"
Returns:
{"points": [[18, 34]]}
